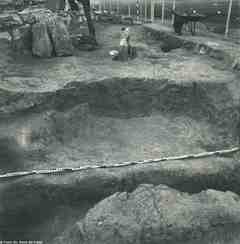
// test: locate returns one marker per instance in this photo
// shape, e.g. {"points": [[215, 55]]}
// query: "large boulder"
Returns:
{"points": [[22, 38], [60, 37], [41, 45], [48, 28], [33, 15], [9, 21], [50, 35], [156, 215]]}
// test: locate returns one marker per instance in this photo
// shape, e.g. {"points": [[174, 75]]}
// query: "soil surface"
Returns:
{"points": [[121, 119], [88, 109], [31, 74]]}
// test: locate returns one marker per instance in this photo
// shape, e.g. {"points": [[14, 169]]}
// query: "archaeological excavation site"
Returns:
{"points": [[97, 148]]}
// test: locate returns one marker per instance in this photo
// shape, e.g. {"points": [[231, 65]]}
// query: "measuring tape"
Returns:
{"points": [[59, 171]]}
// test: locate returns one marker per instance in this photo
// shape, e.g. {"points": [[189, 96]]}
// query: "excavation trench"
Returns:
{"points": [[109, 121]]}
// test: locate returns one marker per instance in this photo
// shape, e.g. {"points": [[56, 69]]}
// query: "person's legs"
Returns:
{"points": [[123, 53], [129, 50], [194, 28]]}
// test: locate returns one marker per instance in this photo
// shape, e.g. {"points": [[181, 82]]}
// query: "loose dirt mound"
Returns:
{"points": [[155, 215], [27, 204]]}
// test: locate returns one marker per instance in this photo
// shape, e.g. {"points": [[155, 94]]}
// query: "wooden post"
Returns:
{"points": [[118, 7], [110, 6], [145, 10], [104, 5], [129, 10], [152, 10], [100, 6], [163, 11], [174, 7], [141, 10], [137, 9], [228, 18]]}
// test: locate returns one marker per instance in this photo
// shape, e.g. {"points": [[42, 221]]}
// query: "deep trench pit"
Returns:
{"points": [[110, 121], [119, 120]]}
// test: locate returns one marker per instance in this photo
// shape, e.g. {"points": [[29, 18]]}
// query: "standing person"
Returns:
{"points": [[124, 44], [128, 41]]}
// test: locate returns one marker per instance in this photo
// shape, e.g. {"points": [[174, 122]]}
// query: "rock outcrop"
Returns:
{"points": [[60, 37], [38, 30], [155, 215], [19, 4], [48, 30], [42, 46]]}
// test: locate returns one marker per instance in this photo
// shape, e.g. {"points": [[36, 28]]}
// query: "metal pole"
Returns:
{"points": [[174, 7], [163, 11], [228, 18], [152, 10], [129, 10]]}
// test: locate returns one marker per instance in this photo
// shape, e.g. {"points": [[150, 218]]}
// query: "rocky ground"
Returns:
{"points": [[156, 215], [88, 109]]}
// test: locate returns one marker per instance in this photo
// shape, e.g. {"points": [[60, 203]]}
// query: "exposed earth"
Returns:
{"points": [[88, 110]]}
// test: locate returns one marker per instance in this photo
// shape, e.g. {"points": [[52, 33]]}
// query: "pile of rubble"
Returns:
{"points": [[19, 4], [38, 30]]}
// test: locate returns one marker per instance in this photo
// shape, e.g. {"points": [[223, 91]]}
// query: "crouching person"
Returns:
{"points": [[126, 51]]}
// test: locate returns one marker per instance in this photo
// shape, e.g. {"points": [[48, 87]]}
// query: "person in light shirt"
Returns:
{"points": [[124, 44]]}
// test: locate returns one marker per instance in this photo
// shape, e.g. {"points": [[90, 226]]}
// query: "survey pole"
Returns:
{"points": [[228, 18]]}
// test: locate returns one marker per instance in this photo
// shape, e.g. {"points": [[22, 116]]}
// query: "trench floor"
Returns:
{"points": [[30, 144]]}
